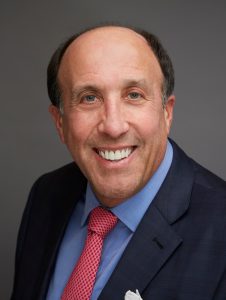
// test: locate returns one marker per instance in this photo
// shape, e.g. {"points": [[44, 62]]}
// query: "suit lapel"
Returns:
{"points": [[144, 256], [54, 239], [64, 206], [155, 240]]}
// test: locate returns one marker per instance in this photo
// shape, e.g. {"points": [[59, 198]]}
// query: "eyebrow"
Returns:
{"points": [[76, 91], [141, 83], [126, 83], [132, 82]]}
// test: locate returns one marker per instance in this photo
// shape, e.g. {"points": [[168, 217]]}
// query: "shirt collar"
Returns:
{"points": [[131, 211]]}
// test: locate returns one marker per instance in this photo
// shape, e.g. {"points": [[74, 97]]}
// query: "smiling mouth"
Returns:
{"points": [[115, 155]]}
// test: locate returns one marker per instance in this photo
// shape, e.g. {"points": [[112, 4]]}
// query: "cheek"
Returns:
{"points": [[150, 124], [77, 128], [72, 132]]}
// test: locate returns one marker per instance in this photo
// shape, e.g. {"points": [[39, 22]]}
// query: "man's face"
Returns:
{"points": [[114, 123]]}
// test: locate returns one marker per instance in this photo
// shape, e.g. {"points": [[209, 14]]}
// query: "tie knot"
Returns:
{"points": [[101, 221]]}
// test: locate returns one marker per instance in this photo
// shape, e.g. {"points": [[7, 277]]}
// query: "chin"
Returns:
{"points": [[113, 195]]}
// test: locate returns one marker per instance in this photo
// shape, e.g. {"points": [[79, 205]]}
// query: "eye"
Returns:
{"points": [[89, 98], [134, 96]]}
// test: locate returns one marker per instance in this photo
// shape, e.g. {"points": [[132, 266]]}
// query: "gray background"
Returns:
{"points": [[192, 31]]}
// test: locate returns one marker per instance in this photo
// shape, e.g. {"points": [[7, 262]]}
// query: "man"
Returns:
{"points": [[112, 99]]}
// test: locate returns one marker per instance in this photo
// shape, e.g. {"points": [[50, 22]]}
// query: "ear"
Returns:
{"points": [[58, 121], [168, 112]]}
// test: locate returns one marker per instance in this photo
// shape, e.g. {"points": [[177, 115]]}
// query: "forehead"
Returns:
{"points": [[107, 50]]}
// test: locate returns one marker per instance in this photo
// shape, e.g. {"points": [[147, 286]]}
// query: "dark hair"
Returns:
{"points": [[154, 43]]}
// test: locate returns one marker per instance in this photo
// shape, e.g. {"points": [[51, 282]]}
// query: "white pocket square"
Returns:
{"points": [[132, 296]]}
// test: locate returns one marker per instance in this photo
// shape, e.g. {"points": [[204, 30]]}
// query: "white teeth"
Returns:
{"points": [[105, 154], [118, 154], [115, 155], [111, 155]]}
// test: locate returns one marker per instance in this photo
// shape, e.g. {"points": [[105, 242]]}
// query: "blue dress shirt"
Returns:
{"points": [[129, 213]]}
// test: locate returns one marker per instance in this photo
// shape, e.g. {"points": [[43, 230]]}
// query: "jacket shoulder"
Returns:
{"points": [[207, 179], [63, 174], [202, 176]]}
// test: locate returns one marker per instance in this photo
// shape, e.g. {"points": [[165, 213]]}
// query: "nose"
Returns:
{"points": [[113, 121]]}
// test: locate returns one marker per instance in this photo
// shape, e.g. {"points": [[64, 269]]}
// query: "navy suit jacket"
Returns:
{"points": [[178, 251]]}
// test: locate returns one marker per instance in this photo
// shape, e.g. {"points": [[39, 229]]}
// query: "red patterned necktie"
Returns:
{"points": [[81, 281]]}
